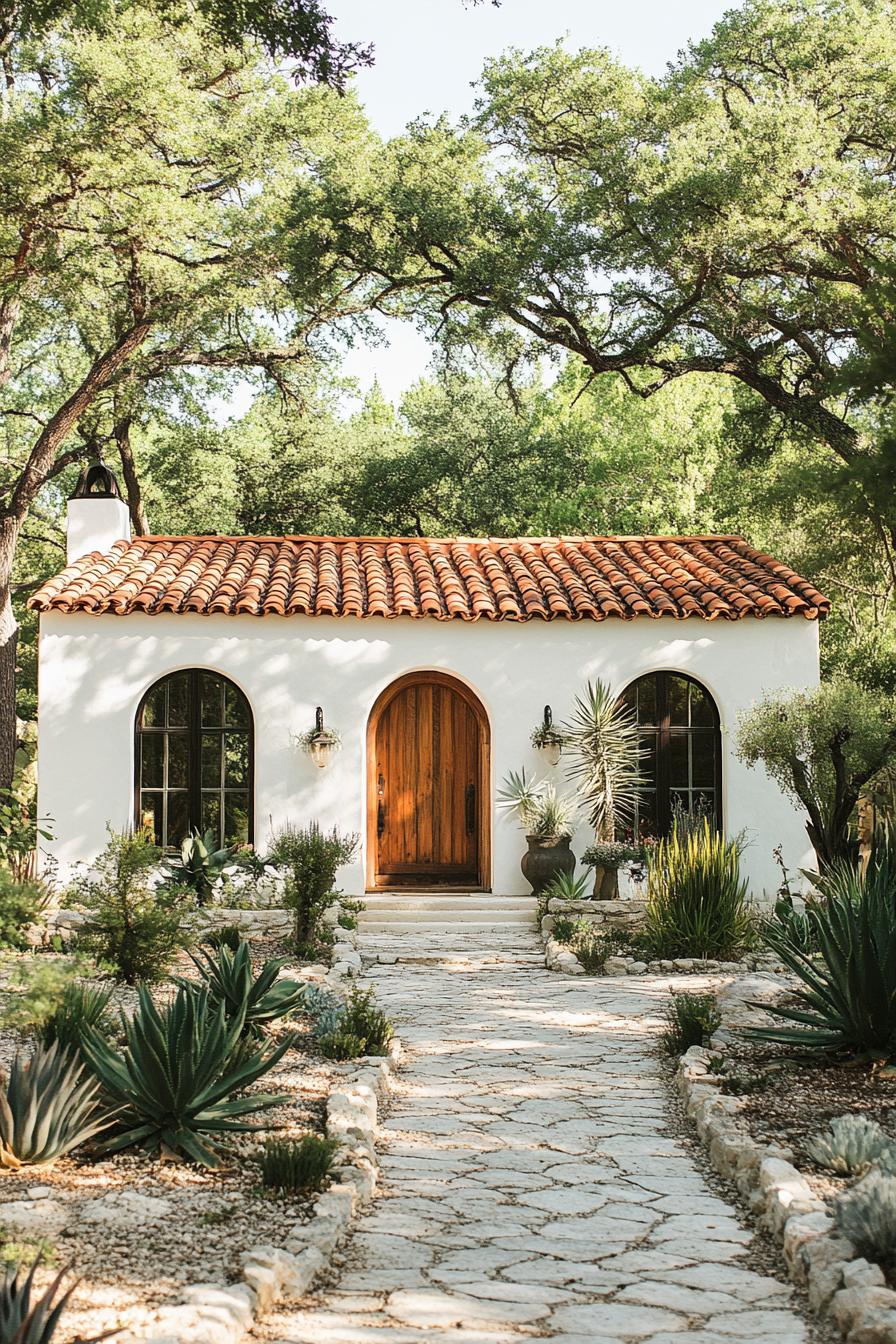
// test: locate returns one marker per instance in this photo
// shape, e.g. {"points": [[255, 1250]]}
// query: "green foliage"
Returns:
{"points": [[290, 1166], [690, 1020], [540, 810], [696, 901], [604, 747], [794, 925], [592, 945], [176, 1084], [228, 935], [362, 1018], [255, 1000], [564, 929], [132, 923], [81, 1006], [20, 830], [822, 747], [340, 1045], [849, 1146], [567, 887], [20, 905], [312, 857], [48, 1106], [847, 994], [612, 854], [866, 1216], [26, 1319], [199, 865]]}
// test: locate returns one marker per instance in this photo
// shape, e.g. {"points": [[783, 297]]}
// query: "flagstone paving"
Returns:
{"points": [[532, 1182]]}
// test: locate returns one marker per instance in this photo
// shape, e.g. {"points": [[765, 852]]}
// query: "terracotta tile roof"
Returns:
{"points": [[573, 578]]}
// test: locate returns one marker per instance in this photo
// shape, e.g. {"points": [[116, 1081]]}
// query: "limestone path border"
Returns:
{"points": [[531, 1182]]}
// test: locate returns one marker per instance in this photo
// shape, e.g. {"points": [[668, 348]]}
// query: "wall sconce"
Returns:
{"points": [[319, 742], [547, 739]]}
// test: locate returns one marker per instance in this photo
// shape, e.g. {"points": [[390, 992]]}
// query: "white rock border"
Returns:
{"points": [[840, 1283], [214, 1313]]}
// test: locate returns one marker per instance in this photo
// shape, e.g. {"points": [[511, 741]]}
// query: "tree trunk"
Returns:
{"points": [[9, 639], [122, 432]]}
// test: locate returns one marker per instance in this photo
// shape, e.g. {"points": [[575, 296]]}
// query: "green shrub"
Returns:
{"points": [[132, 924], [255, 1000], [363, 1019], [312, 858], [564, 930], [199, 865], [175, 1084], [850, 1146], [340, 1045], [594, 948], [36, 989], [21, 903], [690, 1020], [47, 1107], [26, 1320], [866, 1216], [696, 900], [81, 1006], [291, 1166], [228, 935], [847, 995]]}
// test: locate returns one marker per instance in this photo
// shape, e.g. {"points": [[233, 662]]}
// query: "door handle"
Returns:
{"points": [[470, 808], [380, 805]]}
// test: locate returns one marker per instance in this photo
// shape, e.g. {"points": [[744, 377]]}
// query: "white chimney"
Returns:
{"points": [[97, 515]]}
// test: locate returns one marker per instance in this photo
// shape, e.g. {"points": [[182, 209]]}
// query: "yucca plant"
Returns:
{"points": [[48, 1105], [696, 900], [231, 981], [291, 1165], [175, 1083], [604, 747], [847, 996], [539, 808], [24, 1320]]}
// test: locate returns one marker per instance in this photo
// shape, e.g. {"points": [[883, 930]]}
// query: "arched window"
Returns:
{"points": [[682, 767], [194, 759]]}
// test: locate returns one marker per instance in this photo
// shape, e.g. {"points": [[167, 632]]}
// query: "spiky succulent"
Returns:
{"points": [[851, 1144], [866, 1215], [177, 1078], [48, 1105], [24, 1321], [289, 1165], [231, 981], [80, 1006]]}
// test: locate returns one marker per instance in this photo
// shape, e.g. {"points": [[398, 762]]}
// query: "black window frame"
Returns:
{"points": [[663, 731], [194, 731]]}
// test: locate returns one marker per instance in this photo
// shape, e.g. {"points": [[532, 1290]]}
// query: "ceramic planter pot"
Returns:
{"points": [[606, 884], [546, 858]]}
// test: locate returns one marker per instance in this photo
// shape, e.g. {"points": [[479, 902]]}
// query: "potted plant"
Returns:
{"points": [[606, 859], [605, 751], [547, 818]]}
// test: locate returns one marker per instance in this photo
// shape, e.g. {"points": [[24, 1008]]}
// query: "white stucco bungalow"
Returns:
{"points": [[176, 674]]}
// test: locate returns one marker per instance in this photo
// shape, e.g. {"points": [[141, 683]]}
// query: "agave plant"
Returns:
{"points": [[23, 1321], [176, 1080], [850, 1146], [199, 865], [847, 998], [47, 1107], [257, 1000], [567, 887]]}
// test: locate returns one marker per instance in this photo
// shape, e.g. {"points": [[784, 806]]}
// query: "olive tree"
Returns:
{"points": [[823, 747]]}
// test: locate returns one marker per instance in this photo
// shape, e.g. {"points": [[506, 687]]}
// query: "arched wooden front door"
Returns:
{"points": [[428, 813]]}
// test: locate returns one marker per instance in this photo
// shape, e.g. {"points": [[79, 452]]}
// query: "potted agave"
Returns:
{"points": [[547, 818], [604, 748]]}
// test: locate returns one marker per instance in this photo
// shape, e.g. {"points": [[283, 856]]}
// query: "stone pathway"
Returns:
{"points": [[532, 1186]]}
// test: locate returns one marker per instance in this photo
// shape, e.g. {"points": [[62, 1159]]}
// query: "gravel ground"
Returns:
{"points": [[131, 1258], [800, 1097]]}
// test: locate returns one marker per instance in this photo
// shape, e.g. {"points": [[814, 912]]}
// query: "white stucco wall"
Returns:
{"points": [[94, 670]]}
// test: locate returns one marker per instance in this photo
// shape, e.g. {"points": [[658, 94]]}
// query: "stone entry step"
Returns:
{"points": [[427, 913]]}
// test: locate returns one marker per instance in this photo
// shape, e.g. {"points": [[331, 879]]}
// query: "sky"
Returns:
{"points": [[428, 53]]}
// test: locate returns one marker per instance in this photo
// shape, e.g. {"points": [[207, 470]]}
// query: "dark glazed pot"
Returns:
{"points": [[546, 858]]}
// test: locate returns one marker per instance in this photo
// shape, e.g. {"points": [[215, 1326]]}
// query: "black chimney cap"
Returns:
{"points": [[96, 482]]}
